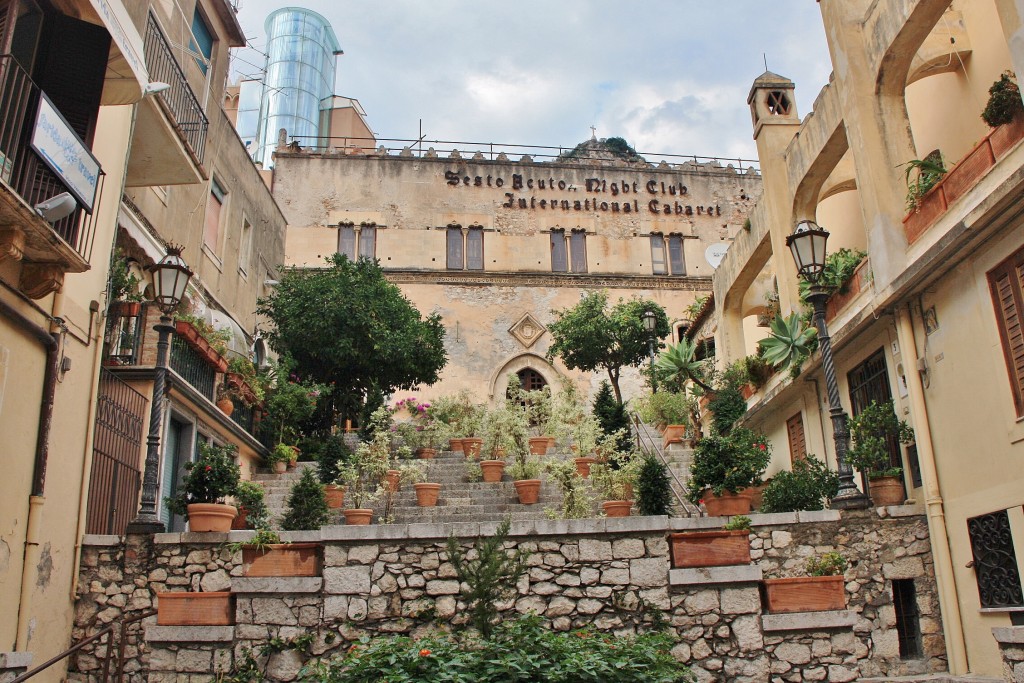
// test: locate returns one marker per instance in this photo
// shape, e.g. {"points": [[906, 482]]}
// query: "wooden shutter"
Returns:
{"points": [[578, 251], [675, 255], [347, 241], [559, 262], [658, 255], [1006, 282], [453, 237], [368, 242], [797, 441], [475, 249]]}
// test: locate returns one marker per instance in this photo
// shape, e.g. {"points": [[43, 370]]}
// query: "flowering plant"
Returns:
{"points": [[290, 404], [210, 479], [728, 463]]}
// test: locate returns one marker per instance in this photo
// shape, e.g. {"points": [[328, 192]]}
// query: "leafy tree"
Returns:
{"points": [[346, 325], [591, 336]]}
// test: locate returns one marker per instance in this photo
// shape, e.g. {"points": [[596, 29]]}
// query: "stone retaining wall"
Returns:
{"points": [[613, 575]]}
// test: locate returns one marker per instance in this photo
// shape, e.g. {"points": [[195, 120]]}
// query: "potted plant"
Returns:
{"points": [[823, 588], [717, 548], [537, 409], [265, 555], [576, 501], [125, 297], [505, 433], [243, 378], [724, 467], [224, 401], [614, 476], [329, 452], [307, 505], [252, 509], [207, 483], [363, 473], [653, 487], [871, 431], [806, 487], [1003, 113], [279, 457]]}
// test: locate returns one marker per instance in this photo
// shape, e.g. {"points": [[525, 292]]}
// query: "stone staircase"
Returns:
{"points": [[460, 500], [678, 459]]}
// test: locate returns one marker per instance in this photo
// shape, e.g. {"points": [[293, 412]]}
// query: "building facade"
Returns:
{"points": [[932, 316], [496, 245]]}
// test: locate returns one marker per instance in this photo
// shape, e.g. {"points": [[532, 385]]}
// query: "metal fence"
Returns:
{"points": [[116, 475], [192, 367], [179, 98]]}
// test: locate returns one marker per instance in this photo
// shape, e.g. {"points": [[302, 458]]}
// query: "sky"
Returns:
{"points": [[669, 76]]}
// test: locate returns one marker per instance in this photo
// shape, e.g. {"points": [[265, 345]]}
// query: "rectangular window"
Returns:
{"points": [[368, 242], [455, 260], [675, 254], [559, 259], [245, 246], [869, 382], [1007, 282], [347, 241], [797, 441], [994, 561], [658, 266], [202, 41], [475, 249], [578, 251], [214, 207]]}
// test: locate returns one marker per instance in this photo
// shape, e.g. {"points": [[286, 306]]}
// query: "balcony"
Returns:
{"points": [[30, 127], [169, 140]]}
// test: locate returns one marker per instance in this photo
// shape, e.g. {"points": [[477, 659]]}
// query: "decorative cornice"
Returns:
{"points": [[572, 280]]}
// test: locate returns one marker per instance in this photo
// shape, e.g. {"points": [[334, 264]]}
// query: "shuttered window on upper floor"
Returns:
{"points": [[1006, 282]]}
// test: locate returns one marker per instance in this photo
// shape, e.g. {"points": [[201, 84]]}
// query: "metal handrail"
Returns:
{"points": [[652, 449], [122, 624]]}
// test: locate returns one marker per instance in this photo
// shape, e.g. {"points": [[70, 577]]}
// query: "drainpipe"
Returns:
{"points": [[49, 341], [952, 626]]}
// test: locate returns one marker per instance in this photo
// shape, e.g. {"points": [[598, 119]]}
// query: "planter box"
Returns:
{"points": [[191, 335], [857, 282], [1005, 137], [674, 434], [710, 548], [804, 594], [285, 559], [727, 504], [931, 207], [968, 171], [195, 609]]}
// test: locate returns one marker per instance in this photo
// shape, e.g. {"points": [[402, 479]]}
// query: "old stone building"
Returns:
{"points": [[495, 245]]}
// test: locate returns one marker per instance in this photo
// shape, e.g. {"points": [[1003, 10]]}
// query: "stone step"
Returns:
{"points": [[931, 678]]}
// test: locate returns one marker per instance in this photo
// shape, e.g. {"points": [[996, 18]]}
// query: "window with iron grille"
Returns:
{"points": [[869, 382], [908, 618], [995, 563]]}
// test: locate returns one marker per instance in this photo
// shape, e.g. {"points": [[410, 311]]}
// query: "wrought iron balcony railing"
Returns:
{"points": [[23, 170], [180, 100], [193, 368]]}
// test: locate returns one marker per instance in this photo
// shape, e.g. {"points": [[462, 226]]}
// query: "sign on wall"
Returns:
{"points": [[65, 153]]}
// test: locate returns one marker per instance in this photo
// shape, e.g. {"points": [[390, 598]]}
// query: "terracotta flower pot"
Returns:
{"points": [[727, 504], [394, 480], [226, 405], [426, 453], [710, 548], [427, 494], [282, 559], [471, 446], [238, 523], [805, 594], [528, 490], [126, 309], [335, 496], [1005, 137], [280, 467], [455, 445], [551, 442], [195, 609], [211, 517], [538, 445], [674, 434], [492, 469], [357, 516], [887, 491], [583, 465], [617, 508]]}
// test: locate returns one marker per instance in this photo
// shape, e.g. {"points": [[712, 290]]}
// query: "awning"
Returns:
{"points": [[126, 69]]}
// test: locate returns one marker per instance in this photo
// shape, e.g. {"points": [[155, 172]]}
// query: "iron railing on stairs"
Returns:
{"points": [[649, 447], [110, 655]]}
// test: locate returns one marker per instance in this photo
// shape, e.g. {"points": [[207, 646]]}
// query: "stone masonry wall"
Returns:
{"points": [[613, 575]]}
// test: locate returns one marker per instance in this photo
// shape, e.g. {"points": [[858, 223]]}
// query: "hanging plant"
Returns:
{"points": [[1004, 102]]}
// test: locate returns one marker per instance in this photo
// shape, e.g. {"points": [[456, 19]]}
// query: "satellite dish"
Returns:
{"points": [[715, 253]]}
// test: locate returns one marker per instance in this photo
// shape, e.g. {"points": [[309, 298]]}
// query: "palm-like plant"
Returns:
{"points": [[790, 342], [678, 364]]}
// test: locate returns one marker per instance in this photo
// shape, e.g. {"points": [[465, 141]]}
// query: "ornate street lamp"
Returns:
{"points": [[170, 278], [807, 243], [650, 324]]}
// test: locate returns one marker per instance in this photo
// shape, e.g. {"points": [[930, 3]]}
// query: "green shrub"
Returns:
{"points": [[828, 564], [524, 649], [653, 488], [307, 505], [332, 452], [727, 405], [612, 416], [211, 478], [727, 463], [807, 487], [249, 496], [1004, 102]]}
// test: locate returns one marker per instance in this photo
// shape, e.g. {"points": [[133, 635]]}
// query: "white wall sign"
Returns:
{"points": [[715, 253], [65, 153]]}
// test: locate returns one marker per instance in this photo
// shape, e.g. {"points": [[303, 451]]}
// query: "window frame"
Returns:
{"points": [[659, 254], [1010, 320], [474, 261], [677, 269], [245, 247], [559, 244], [194, 41], [345, 230], [455, 248], [578, 251], [215, 193]]}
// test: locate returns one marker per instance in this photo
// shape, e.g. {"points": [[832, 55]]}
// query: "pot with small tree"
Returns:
{"points": [[207, 483], [614, 477], [279, 457], [1004, 112], [307, 507], [363, 473], [252, 509], [329, 452], [125, 297], [724, 467], [871, 432], [823, 589], [505, 432]]}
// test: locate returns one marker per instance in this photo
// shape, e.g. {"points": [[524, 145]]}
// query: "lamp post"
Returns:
{"points": [[807, 244], [650, 324], [170, 278]]}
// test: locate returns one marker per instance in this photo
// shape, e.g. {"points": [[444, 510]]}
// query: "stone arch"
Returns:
{"points": [[499, 378]]}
